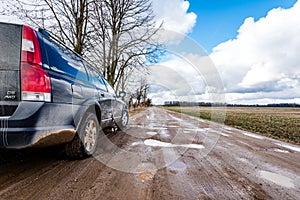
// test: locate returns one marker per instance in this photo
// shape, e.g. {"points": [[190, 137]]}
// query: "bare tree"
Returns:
{"points": [[67, 20], [124, 29], [115, 35]]}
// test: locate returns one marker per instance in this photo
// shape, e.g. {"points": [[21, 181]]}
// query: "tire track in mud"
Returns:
{"points": [[231, 170]]}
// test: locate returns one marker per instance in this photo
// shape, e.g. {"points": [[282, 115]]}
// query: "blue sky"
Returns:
{"points": [[252, 51], [219, 20], [252, 45]]}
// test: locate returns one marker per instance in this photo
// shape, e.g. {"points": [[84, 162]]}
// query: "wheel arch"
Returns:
{"points": [[93, 107]]}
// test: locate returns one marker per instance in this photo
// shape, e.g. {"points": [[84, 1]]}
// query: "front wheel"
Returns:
{"points": [[124, 120], [85, 142]]}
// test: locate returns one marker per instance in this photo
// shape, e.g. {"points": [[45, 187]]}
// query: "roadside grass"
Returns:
{"points": [[278, 123]]}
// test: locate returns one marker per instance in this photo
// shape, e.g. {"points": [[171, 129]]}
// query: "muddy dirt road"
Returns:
{"points": [[161, 155]]}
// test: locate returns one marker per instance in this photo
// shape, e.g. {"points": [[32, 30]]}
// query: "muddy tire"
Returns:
{"points": [[124, 120], [85, 142]]}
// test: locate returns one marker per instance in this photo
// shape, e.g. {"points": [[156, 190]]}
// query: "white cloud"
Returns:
{"points": [[263, 61], [174, 15], [185, 77], [178, 76]]}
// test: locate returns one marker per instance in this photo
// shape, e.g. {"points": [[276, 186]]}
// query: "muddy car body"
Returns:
{"points": [[50, 95]]}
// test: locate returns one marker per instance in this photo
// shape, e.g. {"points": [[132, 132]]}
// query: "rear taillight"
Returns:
{"points": [[35, 81]]}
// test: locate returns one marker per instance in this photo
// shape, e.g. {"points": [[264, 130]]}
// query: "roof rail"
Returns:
{"points": [[45, 33], [53, 38]]}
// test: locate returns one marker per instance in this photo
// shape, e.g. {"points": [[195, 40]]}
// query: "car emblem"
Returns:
{"points": [[10, 95]]}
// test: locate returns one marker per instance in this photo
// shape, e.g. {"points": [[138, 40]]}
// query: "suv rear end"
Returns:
{"points": [[26, 107], [50, 95]]}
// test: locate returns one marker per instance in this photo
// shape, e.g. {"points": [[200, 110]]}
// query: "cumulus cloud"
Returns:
{"points": [[174, 15], [186, 77], [177, 78], [263, 61]]}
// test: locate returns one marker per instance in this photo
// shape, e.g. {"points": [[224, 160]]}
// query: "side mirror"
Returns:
{"points": [[122, 94]]}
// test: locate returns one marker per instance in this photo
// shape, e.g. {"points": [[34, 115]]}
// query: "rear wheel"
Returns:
{"points": [[85, 142]]}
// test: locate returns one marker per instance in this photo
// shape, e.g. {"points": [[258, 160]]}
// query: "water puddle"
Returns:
{"points": [[194, 130], [177, 166], [154, 125], [253, 136], [244, 160], [209, 190], [136, 126], [210, 130], [173, 126], [224, 134], [157, 143], [228, 129], [137, 143], [164, 133], [281, 151], [294, 148], [277, 179], [151, 133], [244, 143]]}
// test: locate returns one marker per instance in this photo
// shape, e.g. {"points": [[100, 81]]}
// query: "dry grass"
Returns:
{"points": [[279, 123]]}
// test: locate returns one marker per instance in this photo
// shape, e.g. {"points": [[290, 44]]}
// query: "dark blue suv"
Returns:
{"points": [[50, 95]]}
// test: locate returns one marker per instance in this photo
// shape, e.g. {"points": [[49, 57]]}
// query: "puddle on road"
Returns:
{"points": [[136, 126], [228, 129], [154, 125], [194, 130], [201, 130], [277, 179], [281, 151], [173, 126], [224, 134], [150, 127], [137, 143], [151, 133], [294, 148], [157, 143], [164, 133], [211, 130], [253, 136], [177, 166], [244, 160]]}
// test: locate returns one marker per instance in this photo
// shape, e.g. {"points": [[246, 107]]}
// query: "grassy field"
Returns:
{"points": [[279, 123]]}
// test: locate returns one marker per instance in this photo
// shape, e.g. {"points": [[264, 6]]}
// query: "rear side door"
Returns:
{"points": [[103, 96]]}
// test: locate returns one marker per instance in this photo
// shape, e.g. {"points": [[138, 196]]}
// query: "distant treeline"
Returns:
{"points": [[183, 103]]}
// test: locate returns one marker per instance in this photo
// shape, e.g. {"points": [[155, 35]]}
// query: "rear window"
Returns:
{"points": [[10, 46], [97, 81], [63, 60]]}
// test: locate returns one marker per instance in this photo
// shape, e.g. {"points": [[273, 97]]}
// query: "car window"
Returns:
{"points": [[65, 61], [99, 82], [96, 80], [109, 88], [94, 77]]}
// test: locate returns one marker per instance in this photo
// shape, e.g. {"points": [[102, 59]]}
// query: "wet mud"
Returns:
{"points": [[161, 155]]}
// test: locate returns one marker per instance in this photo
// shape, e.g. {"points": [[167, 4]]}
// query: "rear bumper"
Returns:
{"points": [[38, 124]]}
